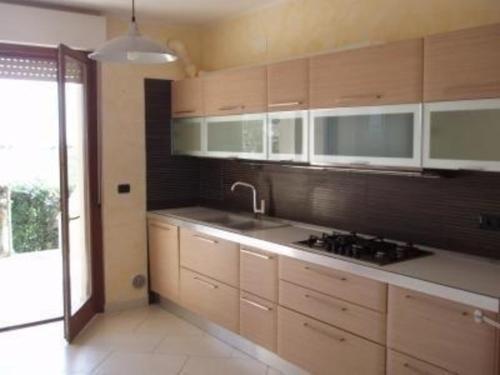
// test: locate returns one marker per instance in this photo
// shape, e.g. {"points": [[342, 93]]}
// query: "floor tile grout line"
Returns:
{"points": [[188, 357], [106, 357]]}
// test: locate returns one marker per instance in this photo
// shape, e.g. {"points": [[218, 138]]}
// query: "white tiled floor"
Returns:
{"points": [[145, 341]]}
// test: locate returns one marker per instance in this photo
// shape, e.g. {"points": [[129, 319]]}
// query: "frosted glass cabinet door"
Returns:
{"points": [[287, 136], [380, 136], [240, 136], [187, 136], [462, 135]]}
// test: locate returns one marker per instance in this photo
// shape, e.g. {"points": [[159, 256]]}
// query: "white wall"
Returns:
{"points": [[46, 27]]}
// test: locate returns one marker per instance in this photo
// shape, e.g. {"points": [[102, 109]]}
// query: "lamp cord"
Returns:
{"points": [[133, 10]]}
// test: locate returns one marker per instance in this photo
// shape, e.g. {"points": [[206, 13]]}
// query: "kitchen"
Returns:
{"points": [[323, 200]]}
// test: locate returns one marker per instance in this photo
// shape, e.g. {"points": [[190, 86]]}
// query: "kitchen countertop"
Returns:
{"points": [[458, 277]]}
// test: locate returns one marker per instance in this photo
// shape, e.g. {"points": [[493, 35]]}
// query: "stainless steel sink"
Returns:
{"points": [[242, 223]]}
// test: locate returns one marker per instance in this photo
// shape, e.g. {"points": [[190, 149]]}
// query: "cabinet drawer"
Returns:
{"points": [[163, 245], [259, 273], [440, 332], [400, 364], [236, 91], [366, 76], [258, 318], [335, 283], [323, 349], [210, 256], [211, 299], [353, 318]]}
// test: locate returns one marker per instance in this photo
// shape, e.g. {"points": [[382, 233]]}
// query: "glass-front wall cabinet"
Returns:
{"points": [[188, 136], [462, 135], [287, 136], [240, 136], [379, 136]]}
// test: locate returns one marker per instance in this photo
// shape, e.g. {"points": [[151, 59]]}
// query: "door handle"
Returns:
{"points": [[74, 218]]}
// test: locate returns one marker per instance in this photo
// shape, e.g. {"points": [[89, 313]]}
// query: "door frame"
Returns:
{"points": [[94, 175]]}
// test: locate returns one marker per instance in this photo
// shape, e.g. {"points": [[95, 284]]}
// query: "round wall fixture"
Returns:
{"points": [[139, 281]]}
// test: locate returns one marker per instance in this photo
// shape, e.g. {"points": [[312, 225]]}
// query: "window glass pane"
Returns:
{"points": [[381, 135], [286, 136], [465, 135]]}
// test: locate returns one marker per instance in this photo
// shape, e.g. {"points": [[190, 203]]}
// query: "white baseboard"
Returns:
{"points": [[233, 339]]}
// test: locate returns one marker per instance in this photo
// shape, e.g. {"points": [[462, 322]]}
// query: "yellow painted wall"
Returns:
{"points": [[298, 27], [123, 159]]}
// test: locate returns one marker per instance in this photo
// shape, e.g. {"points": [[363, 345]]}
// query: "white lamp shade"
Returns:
{"points": [[133, 48]]}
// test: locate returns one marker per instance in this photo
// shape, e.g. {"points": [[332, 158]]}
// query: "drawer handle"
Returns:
{"points": [[262, 256], [360, 96], [255, 304], [416, 370], [206, 283], [324, 273], [422, 299], [326, 302], [184, 111], [204, 239], [158, 225], [231, 107], [284, 104], [479, 318], [324, 333]]}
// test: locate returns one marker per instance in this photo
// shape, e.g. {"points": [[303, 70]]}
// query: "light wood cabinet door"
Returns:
{"points": [[288, 85], [211, 299], [187, 98], [378, 75], [343, 285], [353, 318], [235, 91], [323, 349], [210, 256], [259, 273], [463, 65], [440, 332], [163, 244], [400, 364], [258, 320]]}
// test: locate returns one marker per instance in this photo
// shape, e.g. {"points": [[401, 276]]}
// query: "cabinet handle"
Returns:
{"points": [[158, 225], [360, 96], [416, 370], [436, 304], [204, 239], [184, 111], [324, 273], [324, 333], [231, 107], [201, 281], [479, 318], [467, 88], [285, 104], [326, 302], [255, 304], [262, 256]]}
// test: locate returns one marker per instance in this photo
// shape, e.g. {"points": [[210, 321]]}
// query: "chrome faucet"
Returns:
{"points": [[256, 210]]}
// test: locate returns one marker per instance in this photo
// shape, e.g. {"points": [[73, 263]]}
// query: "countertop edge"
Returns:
{"points": [[435, 289]]}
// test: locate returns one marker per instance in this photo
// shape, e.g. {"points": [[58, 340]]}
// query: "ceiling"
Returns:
{"points": [[171, 11]]}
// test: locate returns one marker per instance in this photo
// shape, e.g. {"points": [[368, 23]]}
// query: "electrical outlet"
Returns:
{"points": [[489, 222], [123, 188]]}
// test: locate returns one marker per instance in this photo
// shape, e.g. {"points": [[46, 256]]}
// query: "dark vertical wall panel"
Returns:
{"points": [[170, 181]]}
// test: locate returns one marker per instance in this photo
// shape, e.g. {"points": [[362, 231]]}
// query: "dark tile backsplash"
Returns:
{"points": [[440, 212]]}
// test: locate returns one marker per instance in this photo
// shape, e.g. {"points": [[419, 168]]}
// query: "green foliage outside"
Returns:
{"points": [[34, 215]]}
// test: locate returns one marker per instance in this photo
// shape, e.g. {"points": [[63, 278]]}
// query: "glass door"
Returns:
{"points": [[79, 196], [287, 136], [388, 136]]}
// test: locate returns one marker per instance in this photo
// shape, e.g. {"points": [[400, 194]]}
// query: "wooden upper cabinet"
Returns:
{"points": [[288, 85], [187, 98], [236, 91], [379, 75], [463, 64]]}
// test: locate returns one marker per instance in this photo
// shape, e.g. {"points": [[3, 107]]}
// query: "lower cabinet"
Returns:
{"points": [[258, 320], [323, 349], [441, 332], [400, 364], [211, 299]]}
